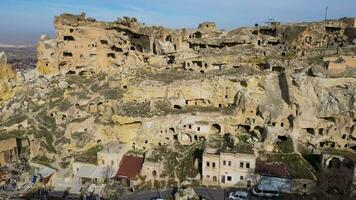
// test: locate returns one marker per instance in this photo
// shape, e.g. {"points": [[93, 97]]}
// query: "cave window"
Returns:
{"points": [[198, 63], [71, 30], [71, 72], [154, 173], [190, 126], [103, 41], [146, 141], [311, 131], [197, 34], [116, 49], [175, 137], [68, 38], [111, 55], [278, 69], [246, 127], [198, 128], [67, 54], [169, 39], [132, 48], [154, 49], [195, 137], [282, 124], [177, 107], [283, 138], [321, 131]]}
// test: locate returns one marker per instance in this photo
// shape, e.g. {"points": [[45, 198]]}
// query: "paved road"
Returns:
{"points": [[149, 195], [210, 194], [207, 193]]}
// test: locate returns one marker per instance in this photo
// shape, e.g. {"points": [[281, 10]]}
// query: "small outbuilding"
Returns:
{"points": [[130, 167]]}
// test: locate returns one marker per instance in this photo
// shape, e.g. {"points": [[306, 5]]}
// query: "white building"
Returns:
{"points": [[229, 167], [111, 155]]}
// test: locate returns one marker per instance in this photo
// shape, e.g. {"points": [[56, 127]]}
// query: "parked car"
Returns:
{"points": [[157, 198], [238, 195], [265, 190]]}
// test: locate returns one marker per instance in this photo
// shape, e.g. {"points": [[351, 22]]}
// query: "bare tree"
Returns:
{"points": [[108, 172]]}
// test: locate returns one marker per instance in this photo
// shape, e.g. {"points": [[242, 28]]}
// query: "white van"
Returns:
{"points": [[265, 190], [238, 195]]}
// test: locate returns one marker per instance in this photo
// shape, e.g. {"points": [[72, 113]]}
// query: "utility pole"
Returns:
{"points": [[326, 13]]}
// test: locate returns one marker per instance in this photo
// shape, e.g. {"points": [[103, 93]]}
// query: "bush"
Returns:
{"points": [[89, 156]]}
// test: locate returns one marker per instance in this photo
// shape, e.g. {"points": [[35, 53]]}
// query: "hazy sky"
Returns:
{"points": [[23, 21]]}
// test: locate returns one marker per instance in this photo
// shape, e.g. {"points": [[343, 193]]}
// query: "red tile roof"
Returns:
{"points": [[271, 169], [130, 166]]}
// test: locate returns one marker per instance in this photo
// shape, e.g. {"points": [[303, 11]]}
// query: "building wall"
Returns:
{"points": [[8, 144], [152, 170], [211, 169], [110, 159], [2, 158], [8, 151], [303, 186], [230, 169], [350, 22]]}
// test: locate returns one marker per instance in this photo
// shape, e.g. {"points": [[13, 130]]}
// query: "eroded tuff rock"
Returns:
{"points": [[6, 74], [150, 86]]}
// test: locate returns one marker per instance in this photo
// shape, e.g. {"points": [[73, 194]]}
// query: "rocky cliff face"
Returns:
{"points": [[6, 74], [150, 86]]}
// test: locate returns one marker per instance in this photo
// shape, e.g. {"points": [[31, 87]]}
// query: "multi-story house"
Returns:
{"points": [[229, 167]]}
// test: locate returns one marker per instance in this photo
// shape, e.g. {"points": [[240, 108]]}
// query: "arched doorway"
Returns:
{"points": [[216, 128], [334, 163]]}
